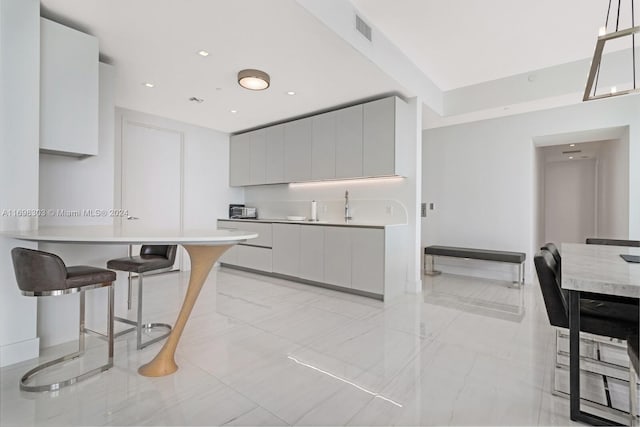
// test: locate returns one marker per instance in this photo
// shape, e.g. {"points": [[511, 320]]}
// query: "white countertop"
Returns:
{"points": [[600, 269], [342, 223], [131, 234]]}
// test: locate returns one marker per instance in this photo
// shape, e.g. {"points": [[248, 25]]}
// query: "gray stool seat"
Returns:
{"points": [[140, 264], [43, 274], [152, 258], [84, 275]]}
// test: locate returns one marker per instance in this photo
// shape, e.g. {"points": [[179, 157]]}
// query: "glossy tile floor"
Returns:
{"points": [[263, 351]]}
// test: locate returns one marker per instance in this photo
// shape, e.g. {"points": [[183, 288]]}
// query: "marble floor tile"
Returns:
{"points": [[267, 351]]}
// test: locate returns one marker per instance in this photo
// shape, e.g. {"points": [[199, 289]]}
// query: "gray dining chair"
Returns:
{"points": [[42, 274]]}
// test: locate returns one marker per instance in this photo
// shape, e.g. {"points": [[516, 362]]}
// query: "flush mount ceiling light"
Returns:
{"points": [[253, 79], [607, 34]]}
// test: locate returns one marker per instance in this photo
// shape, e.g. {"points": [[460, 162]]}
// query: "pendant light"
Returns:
{"points": [[607, 33]]}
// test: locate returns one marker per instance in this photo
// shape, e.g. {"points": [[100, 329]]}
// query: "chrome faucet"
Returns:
{"points": [[347, 211]]}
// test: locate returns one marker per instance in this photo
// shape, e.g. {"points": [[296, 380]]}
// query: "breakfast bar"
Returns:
{"points": [[203, 246]]}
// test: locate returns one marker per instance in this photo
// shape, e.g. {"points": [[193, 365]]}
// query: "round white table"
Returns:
{"points": [[203, 246]]}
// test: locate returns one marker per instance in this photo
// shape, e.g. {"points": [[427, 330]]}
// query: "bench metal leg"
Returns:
{"points": [[432, 271]]}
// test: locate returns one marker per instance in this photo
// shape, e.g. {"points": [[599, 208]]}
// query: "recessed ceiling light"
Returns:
{"points": [[291, 93], [572, 145], [147, 84], [233, 111], [570, 157], [203, 53]]}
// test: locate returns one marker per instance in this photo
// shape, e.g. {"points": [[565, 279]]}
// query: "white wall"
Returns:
{"points": [[19, 144], [70, 183], [481, 177], [613, 189], [570, 200], [369, 199], [207, 194]]}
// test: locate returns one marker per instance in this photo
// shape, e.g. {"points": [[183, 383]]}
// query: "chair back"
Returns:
{"points": [[38, 271], [553, 249], [613, 242], [166, 251], [554, 299]]}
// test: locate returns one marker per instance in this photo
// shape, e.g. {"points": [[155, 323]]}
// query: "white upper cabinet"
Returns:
{"points": [[240, 159], [68, 90], [364, 140], [323, 146], [258, 156], [349, 142], [275, 154], [379, 155], [297, 150]]}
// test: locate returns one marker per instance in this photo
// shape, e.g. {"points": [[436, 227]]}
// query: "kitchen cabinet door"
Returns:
{"points": [[349, 142], [240, 160], [312, 252], [258, 162], [367, 260], [337, 256], [286, 249], [254, 258], [379, 132], [323, 146], [275, 155], [68, 90], [297, 150]]}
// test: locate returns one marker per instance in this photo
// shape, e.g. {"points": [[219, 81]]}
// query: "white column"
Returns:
{"points": [[19, 145]]}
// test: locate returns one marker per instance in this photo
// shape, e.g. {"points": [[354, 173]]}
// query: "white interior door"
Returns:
{"points": [[152, 177], [570, 201]]}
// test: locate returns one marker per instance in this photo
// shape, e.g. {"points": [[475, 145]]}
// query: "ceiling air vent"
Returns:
{"points": [[572, 152], [363, 28]]}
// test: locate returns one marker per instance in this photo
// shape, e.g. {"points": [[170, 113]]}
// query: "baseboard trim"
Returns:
{"points": [[19, 351]]}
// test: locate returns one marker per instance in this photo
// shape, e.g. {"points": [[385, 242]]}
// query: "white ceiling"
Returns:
{"points": [[463, 42], [157, 41], [455, 43]]}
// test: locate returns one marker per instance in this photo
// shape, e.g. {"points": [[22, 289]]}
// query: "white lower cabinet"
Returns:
{"points": [[254, 257], [286, 249], [312, 253], [337, 256], [367, 260], [358, 258]]}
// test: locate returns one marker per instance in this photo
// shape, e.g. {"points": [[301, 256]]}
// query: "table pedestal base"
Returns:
{"points": [[202, 260]]}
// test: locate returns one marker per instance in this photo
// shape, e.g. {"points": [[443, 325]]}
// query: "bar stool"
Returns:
{"points": [[634, 368], [152, 258], [42, 274]]}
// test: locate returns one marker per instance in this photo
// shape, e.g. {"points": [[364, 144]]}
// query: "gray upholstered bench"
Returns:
{"points": [[469, 253]]}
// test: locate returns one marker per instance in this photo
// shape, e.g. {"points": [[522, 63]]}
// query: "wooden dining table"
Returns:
{"points": [[595, 269], [204, 247]]}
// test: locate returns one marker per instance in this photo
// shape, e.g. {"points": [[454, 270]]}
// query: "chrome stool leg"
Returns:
{"points": [[81, 343], [138, 326]]}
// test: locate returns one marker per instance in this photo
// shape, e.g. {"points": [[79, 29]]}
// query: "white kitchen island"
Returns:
{"points": [[203, 246]]}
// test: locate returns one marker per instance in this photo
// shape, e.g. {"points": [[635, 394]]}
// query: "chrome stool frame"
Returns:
{"points": [[81, 341], [154, 259], [138, 326]]}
